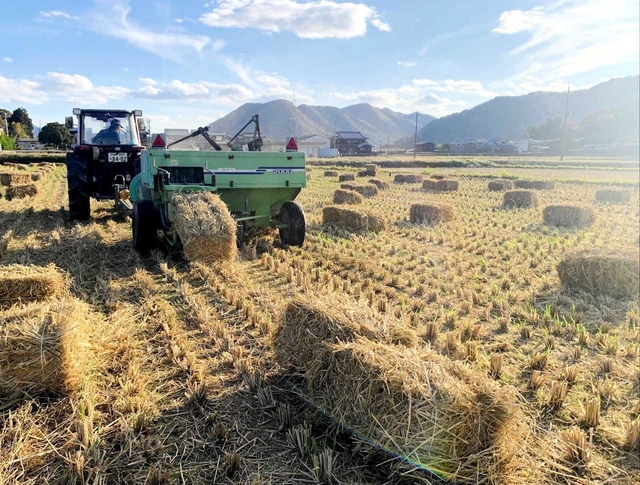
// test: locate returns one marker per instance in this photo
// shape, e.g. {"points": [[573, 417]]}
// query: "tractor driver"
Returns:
{"points": [[110, 135]]}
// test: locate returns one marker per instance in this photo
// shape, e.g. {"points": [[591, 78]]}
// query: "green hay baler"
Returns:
{"points": [[258, 188]]}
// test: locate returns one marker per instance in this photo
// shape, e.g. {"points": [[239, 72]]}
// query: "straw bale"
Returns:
{"points": [[447, 185], [367, 191], [568, 216], [21, 191], [437, 177], [330, 173], [500, 185], [429, 185], [613, 196], [411, 401], [13, 178], [205, 226], [352, 219], [44, 349], [515, 199], [19, 282], [603, 271], [35, 177], [430, 213], [346, 197], [381, 185], [410, 178], [535, 184], [348, 187], [346, 177]]}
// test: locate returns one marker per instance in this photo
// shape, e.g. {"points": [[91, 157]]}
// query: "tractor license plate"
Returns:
{"points": [[117, 157]]}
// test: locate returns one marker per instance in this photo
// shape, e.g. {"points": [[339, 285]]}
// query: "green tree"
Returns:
{"points": [[7, 142], [55, 134], [21, 116], [17, 130]]}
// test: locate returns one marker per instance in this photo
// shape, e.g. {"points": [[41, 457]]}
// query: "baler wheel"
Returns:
{"points": [[143, 224], [291, 213]]}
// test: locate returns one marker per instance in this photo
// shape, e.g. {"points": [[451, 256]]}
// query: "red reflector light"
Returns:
{"points": [[84, 147], [158, 142], [292, 146]]}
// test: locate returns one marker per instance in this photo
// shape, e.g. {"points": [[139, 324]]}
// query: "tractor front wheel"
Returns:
{"points": [[143, 223], [291, 213], [78, 187]]}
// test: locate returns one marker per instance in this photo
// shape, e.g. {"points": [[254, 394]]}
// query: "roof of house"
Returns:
{"points": [[350, 134], [362, 145]]}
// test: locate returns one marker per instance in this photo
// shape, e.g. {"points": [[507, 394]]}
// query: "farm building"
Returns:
{"points": [[351, 143], [29, 144], [426, 146]]}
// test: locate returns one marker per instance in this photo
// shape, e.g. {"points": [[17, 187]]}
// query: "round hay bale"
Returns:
{"points": [[352, 372], [346, 197], [348, 187], [606, 271], [535, 184], [518, 199], [500, 185], [444, 185], [367, 191], [21, 191], [352, 219], [379, 184], [330, 173], [346, 177], [35, 177], [205, 226], [613, 196], [430, 213], [568, 216], [45, 349], [27, 283]]}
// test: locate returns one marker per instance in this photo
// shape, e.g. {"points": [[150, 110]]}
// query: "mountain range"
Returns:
{"points": [[281, 118], [504, 116]]}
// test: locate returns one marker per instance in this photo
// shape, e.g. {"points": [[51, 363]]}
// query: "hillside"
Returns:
{"points": [[281, 118], [510, 116]]}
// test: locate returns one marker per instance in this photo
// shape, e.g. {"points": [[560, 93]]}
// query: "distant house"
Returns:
{"points": [[29, 144], [351, 143], [497, 145], [309, 145], [426, 146]]}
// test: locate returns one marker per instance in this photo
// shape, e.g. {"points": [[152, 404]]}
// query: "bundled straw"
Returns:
{"points": [[430, 213], [535, 184], [346, 197], [369, 171], [367, 191], [346, 177], [516, 199], [330, 173], [379, 183], [412, 402], [19, 282], [408, 179], [437, 177], [613, 196], [430, 185], [606, 271], [500, 185], [568, 216], [352, 219], [205, 227], [21, 191], [15, 178], [35, 177], [348, 187], [44, 349]]}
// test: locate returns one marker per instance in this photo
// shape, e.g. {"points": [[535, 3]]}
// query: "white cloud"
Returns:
{"points": [[7, 59], [572, 37], [74, 88], [55, 15], [21, 91], [316, 19], [148, 81], [407, 63]]}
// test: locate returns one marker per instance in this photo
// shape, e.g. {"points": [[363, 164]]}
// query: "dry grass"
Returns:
{"points": [[606, 271], [500, 185], [13, 178], [534, 184], [205, 227], [569, 216], [430, 213], [346, 177], [352, 219], [346, 197], [519, 199]]}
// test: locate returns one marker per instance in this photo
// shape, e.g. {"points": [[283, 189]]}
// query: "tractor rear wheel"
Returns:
{"points": [[291, 213], [143, 224], [78, 188]]}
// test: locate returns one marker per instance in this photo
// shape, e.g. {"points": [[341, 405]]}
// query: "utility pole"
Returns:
{"points": [[387, 144], [564, 128], [415, 138]]}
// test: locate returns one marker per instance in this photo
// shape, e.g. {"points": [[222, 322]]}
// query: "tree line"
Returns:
{"points": [[17, 124]]}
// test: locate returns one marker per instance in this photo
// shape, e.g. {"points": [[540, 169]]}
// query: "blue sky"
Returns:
{"points": [[187, 63]]}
